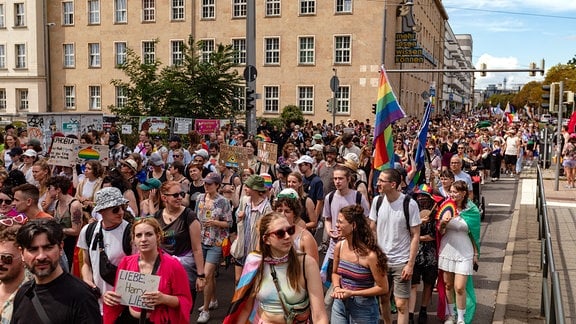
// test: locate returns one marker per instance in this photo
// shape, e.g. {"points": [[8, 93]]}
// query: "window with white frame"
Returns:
{"points": [[177, 50], [95, 98], [121, 97], [19, 15], [343, 100], [239, 47], [307, 7], [342, 49], [120, 53], [22, 97], [272, 50], [306, 99], [94, 54], [67, 13], [271, 99], [2, 56], [272, 8], [239, 9], [177, 9], [207, 49], [148, 10], [343, 6], [2, 99], [93, 12], [208, 9], [20, 50], [69, 56], [69, 97], [306, 50], [2, 16], [149, 51], [120, 11]]}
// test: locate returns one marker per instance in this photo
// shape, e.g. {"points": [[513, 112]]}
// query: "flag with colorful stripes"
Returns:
{"points": [[420, 158]]}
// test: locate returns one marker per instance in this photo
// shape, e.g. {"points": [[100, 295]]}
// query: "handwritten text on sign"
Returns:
{"points": [[62, 152], [132, 285]]}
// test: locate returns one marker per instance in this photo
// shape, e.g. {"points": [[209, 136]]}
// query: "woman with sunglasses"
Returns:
{"points": [[297, 280], [172, 301], [182, 234], [288, 204], [6, 198]]}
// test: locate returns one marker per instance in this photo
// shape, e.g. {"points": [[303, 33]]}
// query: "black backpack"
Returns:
{"points": [[406, 205], [126, 237]]}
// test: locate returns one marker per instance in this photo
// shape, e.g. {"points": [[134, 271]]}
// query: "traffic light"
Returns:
{"points": [[532, 68], [482, 69], [249, 99], [548, 97], [374, 109], [329, 105], [568, 97]]}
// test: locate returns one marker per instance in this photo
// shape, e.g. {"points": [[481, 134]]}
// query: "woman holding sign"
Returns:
{"points": [[171, 301]]}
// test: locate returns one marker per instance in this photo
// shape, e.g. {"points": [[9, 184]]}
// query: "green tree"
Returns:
{"points": [[292, 114]]}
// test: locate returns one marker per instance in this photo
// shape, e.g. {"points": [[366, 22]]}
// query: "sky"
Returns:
{"points": [[510, 34]]}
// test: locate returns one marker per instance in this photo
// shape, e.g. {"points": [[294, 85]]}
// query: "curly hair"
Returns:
{"points": [[363, 240], [294, 205]]}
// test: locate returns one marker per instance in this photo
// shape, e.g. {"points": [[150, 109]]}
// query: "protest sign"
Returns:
{"points": [[132, 285], [267, 152], [206, 126], [182, 126], [234, 156], [63, 151], [85, 152]]}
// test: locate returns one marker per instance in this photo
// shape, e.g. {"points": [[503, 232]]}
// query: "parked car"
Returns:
{"points": [[545, 118]]}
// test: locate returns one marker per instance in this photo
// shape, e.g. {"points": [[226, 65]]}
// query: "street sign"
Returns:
{"points": [[334, 84], [250, 73]]}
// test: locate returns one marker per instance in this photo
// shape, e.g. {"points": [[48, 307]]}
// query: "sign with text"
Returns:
{"points": [[63, 151], [234, 156], [267, 152], [182, 126], [132, 285], [207, 126], [155, 125], [407, 49]]}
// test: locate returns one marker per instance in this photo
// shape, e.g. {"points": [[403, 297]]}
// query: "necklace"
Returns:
{"points": [[274, 261]]}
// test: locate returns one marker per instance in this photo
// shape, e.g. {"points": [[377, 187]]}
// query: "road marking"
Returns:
{"points": [[498, 205], [528, 192], [560, 204]]}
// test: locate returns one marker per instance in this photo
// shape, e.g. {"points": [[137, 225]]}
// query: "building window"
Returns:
{"points": [[343, 100], [120, 53], [343, 6], [67, 13], [2, 56], [149, 52], [69, 97], [2, 99], [95, 99], [239, 47], [22, 97], [306, 99], [272, 8], [239, 9], [19, 15], [177, 49], [121, 98], [239, 100], [342, 49], [207, 49], [120, 11], [271, 99], [272, 50], [208, 9], [94, 54], [2, 16], [307, 7], [306, 50], [148, 10], [69, 56], [177, 9], [94, 12], [20, 50]]}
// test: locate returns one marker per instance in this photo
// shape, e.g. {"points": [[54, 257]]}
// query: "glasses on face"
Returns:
{"points": [[198, 160], [7, 201], [9, 221], [290, 195], [281, 233], [6, 258], [176, 155], [181, 194], [116, 209], [381, 180], [454, 162], [461, 148]]}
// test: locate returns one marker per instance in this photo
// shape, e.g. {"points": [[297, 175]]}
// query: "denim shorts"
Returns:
{"points": [[211, 253], [355, 309]]}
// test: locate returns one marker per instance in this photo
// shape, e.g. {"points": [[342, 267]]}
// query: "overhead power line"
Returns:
{"points": [[513, 13]]}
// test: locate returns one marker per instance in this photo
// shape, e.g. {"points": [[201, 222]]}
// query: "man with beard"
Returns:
{"points": [[54, 296], [11, 266]]}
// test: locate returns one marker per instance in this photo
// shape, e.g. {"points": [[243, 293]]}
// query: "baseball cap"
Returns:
{"points": [[150, 184], [203, 153], [212, 177], [156, 159], [174, 138], [17, 150], [305, 159], [30, 153], [317, 147]]}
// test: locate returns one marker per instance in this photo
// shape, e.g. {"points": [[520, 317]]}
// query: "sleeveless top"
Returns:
{"points": [[162, 178], [354, 276], [268, 295]]}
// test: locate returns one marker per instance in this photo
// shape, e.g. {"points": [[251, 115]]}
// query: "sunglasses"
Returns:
{"points": [[7, 201], [9, 221], [6, 259], [116, 209], [281, 233], [175, 195], [176, 155]]}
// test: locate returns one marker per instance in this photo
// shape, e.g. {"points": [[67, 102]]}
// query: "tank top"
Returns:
{"points": [[354, 276]]}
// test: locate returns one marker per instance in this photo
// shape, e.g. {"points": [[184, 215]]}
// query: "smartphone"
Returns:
{"points": [[475, 267]]}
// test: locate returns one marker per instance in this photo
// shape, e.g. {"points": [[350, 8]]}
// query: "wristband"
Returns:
{"points": [[202, 276]]}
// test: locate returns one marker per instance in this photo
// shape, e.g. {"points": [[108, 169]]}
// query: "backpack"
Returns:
{"points": [[126, 237], [406, 205], [358, 198]]}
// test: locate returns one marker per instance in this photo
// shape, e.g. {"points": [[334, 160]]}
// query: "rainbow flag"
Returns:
{"points": [[387, 111], [448, 208]]}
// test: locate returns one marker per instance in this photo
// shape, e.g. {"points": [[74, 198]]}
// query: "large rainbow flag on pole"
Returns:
{"points": [[387, 111]]}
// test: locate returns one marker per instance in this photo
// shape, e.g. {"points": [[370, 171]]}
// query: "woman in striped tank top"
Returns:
{"points": [[359, 270]]}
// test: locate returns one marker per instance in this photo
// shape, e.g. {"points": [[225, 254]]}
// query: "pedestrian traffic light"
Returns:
{"points": [[329, 105], [548, 97], [249, 99], [374, 109], [483, 69]]}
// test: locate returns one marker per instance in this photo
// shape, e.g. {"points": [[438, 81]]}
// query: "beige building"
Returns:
{"points": [[23, 86], [300, 46]]}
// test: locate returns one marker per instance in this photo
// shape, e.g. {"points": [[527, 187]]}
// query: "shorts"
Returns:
{"points": [[211, 253], [427, 274], [510, 159], [401, 287], [570, 164]]}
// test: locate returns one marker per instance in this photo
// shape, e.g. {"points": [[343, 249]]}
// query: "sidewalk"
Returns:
{"points": [[519, 293]]}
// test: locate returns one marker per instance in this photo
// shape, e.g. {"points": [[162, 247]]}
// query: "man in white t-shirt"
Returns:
{"points": [[111, 204], [398, 243]]}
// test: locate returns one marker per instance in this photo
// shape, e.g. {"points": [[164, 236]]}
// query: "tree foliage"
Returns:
{"points": [[292, 114], [531, 93], [198, 87]]}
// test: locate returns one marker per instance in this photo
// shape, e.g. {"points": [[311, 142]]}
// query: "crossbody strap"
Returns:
{"points": [[39, 308], [287, 313]]}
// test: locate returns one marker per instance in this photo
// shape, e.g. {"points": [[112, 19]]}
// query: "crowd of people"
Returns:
{"points": [[319, 237]]}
